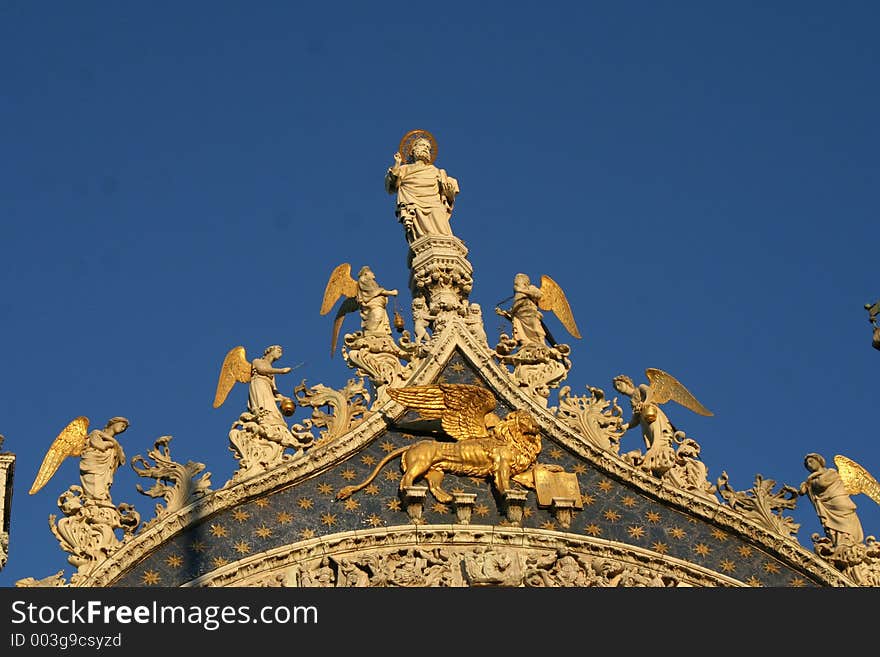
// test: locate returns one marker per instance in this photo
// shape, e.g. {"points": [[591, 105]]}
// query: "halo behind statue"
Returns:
{"points": [[405, 147]]}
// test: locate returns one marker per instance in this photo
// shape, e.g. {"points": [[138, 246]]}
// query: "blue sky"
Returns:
{"points": [[180, 178]]}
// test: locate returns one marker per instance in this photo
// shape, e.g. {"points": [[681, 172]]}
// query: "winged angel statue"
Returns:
{"points": [[657, 431], [87, 530], [363, 294], [100, 456], [525, 315], [829, 490], [265, 403], [478, 443]]}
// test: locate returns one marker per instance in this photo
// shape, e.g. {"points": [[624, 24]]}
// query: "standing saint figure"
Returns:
{"points": [[425, 194]]}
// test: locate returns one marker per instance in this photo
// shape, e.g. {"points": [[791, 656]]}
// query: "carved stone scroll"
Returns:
{"points": [[536, 368], [595, 418], [347, 408], [762, 505], [87, 532], [378, 358], [175, 483]]}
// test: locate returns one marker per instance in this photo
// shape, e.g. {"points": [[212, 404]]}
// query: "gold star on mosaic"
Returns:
{"points": [[587, 499], [797, 582], [605, 486], [440, 508], [442, 379], [629, 501], [372, 489], [727, 566], [351, 504], [150, 577], [393, 505], [476, 480], [458, 490], [548, 524], [659, 547], [718, 534], [368, 460], [198, 546], [305, 503], [527, 512], [307, 533], [593, 529], [677, 532], [217, 562], [754, 581], [263, 532], [652, 516], [744, 551], [580, 468], [347, 474], [375, 521], [636, 532], [771, 567], [611, 515], [242, 548], [392, 475], [408, 436], [326, 489], [702, 549], [262, 502], [284, 518], [457, 367], [481, 510], [219, 531], [173, 561], [693, 521], [555, 453], [241, 515], [387, 446], [328, 519]]}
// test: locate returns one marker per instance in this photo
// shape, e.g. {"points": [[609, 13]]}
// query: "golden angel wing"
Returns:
{"points": [[236, 367], [70, 442], [461, 407], [347, 306], [340, 284], [553, 298], [664, 387], [856, 479]]}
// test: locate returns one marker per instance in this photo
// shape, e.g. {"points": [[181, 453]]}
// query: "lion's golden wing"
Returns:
{"points": [[235, 368], [461, 408], [339, 284], [856, 479], [553, 299], [664, 387], [429, 401], [467, 406], [70, 442]]}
